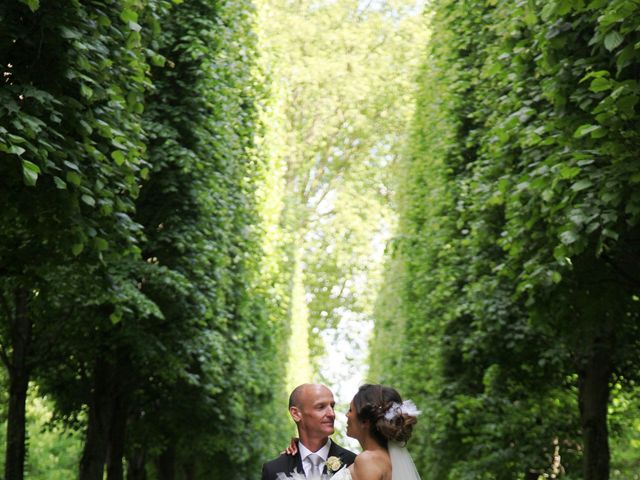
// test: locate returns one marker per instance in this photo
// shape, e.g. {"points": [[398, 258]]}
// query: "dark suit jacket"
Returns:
{"points": [[288, 463]]}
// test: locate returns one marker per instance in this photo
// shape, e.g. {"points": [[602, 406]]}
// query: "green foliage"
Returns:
{"points": [[513, 261], [199, 211], [623, 411], [130, 171], [340, 78], [71, 123]]}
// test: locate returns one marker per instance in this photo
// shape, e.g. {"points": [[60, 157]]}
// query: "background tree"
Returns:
{"points": [[165, 320], [72, 152], [340, 76], [506, 231]]}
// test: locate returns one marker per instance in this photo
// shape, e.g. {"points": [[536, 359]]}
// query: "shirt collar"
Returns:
{"points": [[323, 452]]}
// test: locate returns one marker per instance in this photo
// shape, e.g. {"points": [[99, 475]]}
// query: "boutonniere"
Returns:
{"points": [[333, 464]]}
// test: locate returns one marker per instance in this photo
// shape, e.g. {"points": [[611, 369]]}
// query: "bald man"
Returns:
{"points": [[311, 407]]}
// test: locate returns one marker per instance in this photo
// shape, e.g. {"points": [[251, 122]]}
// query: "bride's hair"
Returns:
{"points": [[373, 403]]}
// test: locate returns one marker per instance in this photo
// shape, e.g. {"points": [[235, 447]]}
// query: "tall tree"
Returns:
{"points": [[509, 246], [199, 208], [71, 155], [163, 327]]}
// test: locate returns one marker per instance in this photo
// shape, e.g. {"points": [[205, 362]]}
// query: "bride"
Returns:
{"points": [[382, 424]]}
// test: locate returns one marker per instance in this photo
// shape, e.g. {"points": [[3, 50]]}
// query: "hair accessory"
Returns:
{"points": [[406, 408]]}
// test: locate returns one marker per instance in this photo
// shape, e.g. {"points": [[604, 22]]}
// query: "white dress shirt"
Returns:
{"points": [[305, 452]]}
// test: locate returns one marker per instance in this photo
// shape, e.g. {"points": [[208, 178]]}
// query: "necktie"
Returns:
{"points": [[314, 471]]}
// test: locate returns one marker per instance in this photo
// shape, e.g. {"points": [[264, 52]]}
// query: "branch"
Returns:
{"points": [[5, 306], [344, 285], [326, 214], [634, 282], [328, 188], [4, 357]]}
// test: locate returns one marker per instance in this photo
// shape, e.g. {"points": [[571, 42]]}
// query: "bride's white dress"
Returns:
{"points": [[342, 474]]}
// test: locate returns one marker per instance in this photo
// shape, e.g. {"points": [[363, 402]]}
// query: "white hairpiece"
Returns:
{"points": [[406, 408]]}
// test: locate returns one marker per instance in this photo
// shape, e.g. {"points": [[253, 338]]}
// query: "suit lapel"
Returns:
{"points": [[334, 451], [295, 464]]}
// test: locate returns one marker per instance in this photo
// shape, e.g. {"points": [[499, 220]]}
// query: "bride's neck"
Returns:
{"points": [[369, 443]]}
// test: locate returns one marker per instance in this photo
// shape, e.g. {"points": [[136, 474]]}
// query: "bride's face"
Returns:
{"points": [[354, 425]]}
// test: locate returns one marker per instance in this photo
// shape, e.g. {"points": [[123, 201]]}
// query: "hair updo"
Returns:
{"points": [[372, 402]]}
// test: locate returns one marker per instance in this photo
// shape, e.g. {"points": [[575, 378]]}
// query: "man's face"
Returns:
{"points": [[315, 415]]}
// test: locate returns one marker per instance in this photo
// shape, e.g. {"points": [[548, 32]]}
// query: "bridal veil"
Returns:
{"points": [[402, 466]]}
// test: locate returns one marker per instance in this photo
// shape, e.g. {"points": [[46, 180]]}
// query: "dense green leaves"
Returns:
{"points": [[171, 201], [131, 225], [513, 260]]}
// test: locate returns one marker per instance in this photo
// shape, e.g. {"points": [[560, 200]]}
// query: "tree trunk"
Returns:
{"points": [[136, 466], [115, 451], [101, 410], [167, 464], [20, 332], [189, 471], [594, 381]]}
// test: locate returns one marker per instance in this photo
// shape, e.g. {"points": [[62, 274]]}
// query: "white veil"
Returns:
{"points": [[402, 466]]}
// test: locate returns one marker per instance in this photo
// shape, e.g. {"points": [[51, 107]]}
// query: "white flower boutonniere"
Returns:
{"points": [[333, 464]]}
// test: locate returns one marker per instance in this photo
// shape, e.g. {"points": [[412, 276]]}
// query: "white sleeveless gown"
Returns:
{"points": [[342, 474]]}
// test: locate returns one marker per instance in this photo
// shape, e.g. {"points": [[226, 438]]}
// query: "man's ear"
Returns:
{"points": [[295, 414]]}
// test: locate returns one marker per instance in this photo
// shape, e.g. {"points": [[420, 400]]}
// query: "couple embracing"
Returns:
{"points": [[377, 418]]}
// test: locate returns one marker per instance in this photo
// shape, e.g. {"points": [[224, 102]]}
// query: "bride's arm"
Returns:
{"points": [[292, 449]]}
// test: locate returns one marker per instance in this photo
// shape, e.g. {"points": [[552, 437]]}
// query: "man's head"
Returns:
{"points": [[311, 406]]}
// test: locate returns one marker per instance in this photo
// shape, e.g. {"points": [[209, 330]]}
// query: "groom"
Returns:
{"points": [[311, 407]]}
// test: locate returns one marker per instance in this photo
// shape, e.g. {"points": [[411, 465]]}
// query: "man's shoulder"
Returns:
{"points": [[284, 463], [283, 459]]}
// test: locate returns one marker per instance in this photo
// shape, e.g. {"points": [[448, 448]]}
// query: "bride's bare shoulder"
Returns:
{"points": [[372, 465]]}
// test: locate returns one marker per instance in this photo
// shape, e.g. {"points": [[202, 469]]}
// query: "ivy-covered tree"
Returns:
{"points": [[199, 209]]}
